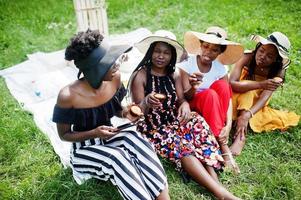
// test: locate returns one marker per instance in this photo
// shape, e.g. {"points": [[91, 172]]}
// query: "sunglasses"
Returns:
{"points": [[119, 61]]}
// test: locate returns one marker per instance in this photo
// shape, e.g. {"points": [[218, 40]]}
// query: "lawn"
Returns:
{"points": [[271, 162]]}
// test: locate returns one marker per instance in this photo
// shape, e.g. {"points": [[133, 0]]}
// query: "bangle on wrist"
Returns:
{"points": [[252, 114]]}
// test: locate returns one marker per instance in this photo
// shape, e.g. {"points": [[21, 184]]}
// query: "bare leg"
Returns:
{"points": [[238, 144], [164, 195], [212, 173], [197, 171]]}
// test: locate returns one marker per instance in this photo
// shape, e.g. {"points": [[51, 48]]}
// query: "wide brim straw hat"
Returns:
{"points": [[214, 35], [280, 41], [161, 36], [99, 61]]}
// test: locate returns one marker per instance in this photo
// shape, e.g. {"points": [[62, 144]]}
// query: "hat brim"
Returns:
{"points": [[285, 59], [144, 44], [233, 52], [96, 74]]}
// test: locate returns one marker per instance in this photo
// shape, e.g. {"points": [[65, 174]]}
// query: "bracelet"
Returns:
{"points": [[250, 112]]}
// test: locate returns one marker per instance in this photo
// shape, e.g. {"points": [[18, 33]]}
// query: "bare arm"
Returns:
{"points": [[65, 100], [184, 108], [138, 92], [245, 115], [237, 85], [137, 87], [190, 83], [245, 86], [263, 98]]}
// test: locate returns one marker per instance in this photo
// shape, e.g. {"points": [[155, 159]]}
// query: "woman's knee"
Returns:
{"points": [[210, 94], [222, 86]]}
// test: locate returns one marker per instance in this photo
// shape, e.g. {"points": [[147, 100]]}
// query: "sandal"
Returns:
{"points": [[231, 165]]}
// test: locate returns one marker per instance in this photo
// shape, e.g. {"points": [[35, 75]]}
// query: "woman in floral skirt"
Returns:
{"points": [[175, 133]]}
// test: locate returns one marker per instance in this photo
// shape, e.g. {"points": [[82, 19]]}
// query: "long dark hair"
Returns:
{"points": [[146, 63], [275, 67]]}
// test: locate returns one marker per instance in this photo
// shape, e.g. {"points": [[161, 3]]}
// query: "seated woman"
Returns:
{"points": [[82, 113], [205, 82], [176, 135], [254, 79]]}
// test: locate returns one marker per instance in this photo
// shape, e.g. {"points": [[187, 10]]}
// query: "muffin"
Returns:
{"points": [[159, 96]]}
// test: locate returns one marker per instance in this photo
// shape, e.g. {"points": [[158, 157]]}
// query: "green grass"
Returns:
{"points": [[270, 163]]}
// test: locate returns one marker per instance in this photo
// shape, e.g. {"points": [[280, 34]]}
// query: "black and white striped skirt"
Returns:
{"points": [[126, 159]]}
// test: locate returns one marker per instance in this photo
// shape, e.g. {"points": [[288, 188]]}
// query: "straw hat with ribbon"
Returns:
{"points": [[280, 41], [161, 36], [214, 35]]}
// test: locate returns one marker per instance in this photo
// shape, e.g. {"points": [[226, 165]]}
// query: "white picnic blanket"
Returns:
{"points": [[36, 82]]}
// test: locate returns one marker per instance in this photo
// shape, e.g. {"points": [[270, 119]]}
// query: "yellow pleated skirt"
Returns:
{"points": [[266, 119]]}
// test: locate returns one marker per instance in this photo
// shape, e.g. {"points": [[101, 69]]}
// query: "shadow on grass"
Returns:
{"points": [[62, 186]]}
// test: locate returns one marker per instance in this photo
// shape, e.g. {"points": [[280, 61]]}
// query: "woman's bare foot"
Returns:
{"points": [[226, 195], [230, 163], [238, 144]]}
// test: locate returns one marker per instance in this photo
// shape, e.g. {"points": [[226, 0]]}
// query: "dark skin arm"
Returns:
{"points": [[268, 86], [190, 83], [184, 108], [149, 101], [137, 92], [67, 98], [243, 86], [64, 130]]}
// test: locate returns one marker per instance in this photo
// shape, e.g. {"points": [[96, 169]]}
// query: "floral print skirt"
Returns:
{"points": [[176, 140]]}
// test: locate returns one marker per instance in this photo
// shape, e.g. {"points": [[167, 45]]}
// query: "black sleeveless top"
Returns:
{"points": [[167, 114], [84, 119]]}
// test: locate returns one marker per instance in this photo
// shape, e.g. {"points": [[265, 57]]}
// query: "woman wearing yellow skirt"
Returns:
{"points": [[254, 79]]}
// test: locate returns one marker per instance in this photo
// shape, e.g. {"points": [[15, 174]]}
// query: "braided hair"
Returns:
{"points": [[146, 63]]}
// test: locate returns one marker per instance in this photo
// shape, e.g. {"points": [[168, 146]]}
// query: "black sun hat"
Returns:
{"points": [[99, 61]]}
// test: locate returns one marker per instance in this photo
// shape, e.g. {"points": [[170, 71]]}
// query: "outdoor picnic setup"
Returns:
{"points": [[114, 99]]}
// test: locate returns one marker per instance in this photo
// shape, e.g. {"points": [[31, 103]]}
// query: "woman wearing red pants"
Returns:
{"points": [[205, 81]]}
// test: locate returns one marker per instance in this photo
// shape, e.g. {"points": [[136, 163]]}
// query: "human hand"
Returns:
{"points": [[184, 112], [223, 137], [152, 101], [196, 79], [242, 123], [270, 84], [105, 132]]}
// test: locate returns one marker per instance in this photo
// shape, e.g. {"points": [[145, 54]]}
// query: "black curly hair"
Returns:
{"points": [[275, 67], [82, 44]]}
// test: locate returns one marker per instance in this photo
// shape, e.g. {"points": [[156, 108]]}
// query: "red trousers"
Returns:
{"points": [[213, 104]]}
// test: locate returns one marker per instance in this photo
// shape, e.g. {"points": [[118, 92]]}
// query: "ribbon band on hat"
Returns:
{"points": [[280, 41], [273, 39], [216, 34]]}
